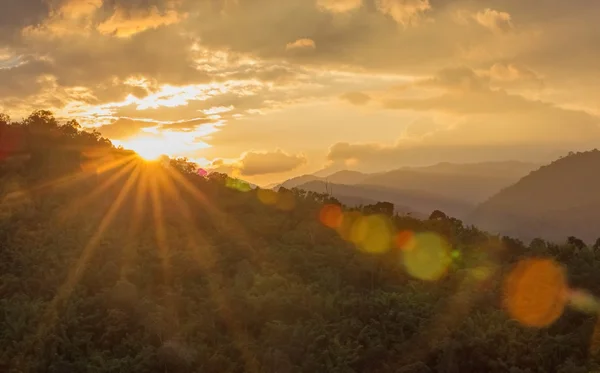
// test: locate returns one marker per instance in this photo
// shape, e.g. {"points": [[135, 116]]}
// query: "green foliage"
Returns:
{"points": [[202, 277]]}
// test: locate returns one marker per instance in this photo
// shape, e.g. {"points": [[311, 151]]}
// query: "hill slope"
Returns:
{"points": [[112, 264], [554, 202]]}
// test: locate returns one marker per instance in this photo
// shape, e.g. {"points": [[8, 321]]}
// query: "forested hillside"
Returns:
{"points": [[112, 264], [556, 201]]}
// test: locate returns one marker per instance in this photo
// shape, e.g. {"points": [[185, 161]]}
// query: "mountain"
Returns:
{"points": [[340, 177], [417, 203], [558, 200], [466, 182], [451, 187]]}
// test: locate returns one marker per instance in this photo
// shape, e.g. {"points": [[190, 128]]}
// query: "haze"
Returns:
{"points": [[270, 89]]}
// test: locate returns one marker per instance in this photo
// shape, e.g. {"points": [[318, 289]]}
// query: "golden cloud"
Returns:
{"points": [[339, 6], [79, 8], [405, 12], [261, 163], [304, 43], [494, 20], [122, 24]]}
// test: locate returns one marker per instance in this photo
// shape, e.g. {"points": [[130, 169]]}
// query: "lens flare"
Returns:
{"points": [[428, 257], [237, 184], [535, 292], [405, 240], [331, 216], [372, 234], [267, 196], [202, 172], [349, 218], [583, 301]]}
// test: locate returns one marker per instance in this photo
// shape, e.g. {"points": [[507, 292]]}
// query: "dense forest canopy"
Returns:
{"points": [[109, 263]]}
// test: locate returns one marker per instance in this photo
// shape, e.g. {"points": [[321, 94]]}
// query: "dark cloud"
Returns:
{"points": [[24, 79], [18, 14]]}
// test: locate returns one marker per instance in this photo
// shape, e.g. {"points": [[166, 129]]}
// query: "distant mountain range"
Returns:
{"points": [[513, 198], [453, 188]]}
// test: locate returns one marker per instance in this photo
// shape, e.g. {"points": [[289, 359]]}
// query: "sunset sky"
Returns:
{"points": [[270, 89]]}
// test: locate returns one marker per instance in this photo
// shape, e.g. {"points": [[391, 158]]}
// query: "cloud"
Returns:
{"points": [[260, 163], [405, 12], [356, 98], [494, 20], [301, 44], [18, 15], [467, 92], [421, 127], [186, 125], [79, 8], [255, 163], [339, 6], [457, 78], [534, 136], [122, 24], [475, 121], [124, 128]]}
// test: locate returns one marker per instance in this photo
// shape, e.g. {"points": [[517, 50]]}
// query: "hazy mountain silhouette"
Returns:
{"points": [[340, 177], [453, 188], [417, 203], [471, 183], [558, 200]]}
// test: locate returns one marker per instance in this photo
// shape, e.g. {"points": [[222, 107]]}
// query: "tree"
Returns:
{"points": [[572, 240], [438, 215], [384, 208]]}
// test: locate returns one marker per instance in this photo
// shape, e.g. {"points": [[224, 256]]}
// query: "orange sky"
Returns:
{"points": [[269, 89]]}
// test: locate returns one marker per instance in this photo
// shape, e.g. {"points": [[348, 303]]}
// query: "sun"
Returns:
{"points": [[149, 148]]}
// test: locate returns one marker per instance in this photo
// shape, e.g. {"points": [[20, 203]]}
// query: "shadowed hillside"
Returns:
{"points": [[556, 201]]}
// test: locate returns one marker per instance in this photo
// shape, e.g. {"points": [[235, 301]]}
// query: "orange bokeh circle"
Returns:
{"points": [[535, 292]]}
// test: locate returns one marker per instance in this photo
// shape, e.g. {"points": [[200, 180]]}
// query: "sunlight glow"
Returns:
{"points": [[152, 146]]}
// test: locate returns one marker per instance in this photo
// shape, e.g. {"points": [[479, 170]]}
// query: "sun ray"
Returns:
{"points": [[79, 204], [159, 225], [156, 186], [141, 193], [49, 318], [74, 176], [203, 256], [230, 225]]}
